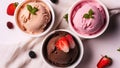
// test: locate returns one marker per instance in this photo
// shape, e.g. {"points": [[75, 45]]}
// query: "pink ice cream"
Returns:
{"points": [[88, 26]]}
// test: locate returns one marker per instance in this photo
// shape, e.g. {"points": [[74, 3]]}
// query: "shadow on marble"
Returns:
{"points": [[88, 56], [112, 27]]}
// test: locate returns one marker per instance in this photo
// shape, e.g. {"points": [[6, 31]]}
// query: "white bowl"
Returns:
{"points": [[96, 34], [44, 32], [80, 53]]}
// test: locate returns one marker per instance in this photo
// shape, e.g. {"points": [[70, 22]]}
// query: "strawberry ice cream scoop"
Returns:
{"points": [[88, 18], [62, 50]]}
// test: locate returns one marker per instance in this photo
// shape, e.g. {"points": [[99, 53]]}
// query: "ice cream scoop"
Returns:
{"points": [[88, 18], [61, 48], [59, 51], [34, 17], [89, 26]]}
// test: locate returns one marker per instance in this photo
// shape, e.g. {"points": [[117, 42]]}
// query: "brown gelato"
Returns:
{"points": [[61, 57]]}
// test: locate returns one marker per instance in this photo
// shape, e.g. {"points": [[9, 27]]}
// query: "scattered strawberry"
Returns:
{"points": [[11, 8], [10, 25], [63, 44], [104, 61], [70, 40]]}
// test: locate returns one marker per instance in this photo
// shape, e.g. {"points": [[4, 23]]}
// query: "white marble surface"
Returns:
{"points": [[14, 46]]}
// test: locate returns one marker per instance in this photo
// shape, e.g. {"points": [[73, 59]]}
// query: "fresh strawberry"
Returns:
{"points": [[62, 44], [11, 8], [104, 61], [70, 40]]}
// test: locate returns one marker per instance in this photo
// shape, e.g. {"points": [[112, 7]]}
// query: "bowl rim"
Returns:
{"points": [[89, 36], [38, 34], [80, 46]]}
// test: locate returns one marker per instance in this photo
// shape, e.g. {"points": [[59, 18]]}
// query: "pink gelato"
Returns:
{"points": [[88, 26]]}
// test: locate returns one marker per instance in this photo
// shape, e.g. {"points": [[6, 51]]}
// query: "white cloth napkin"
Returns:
{"points": [[16, 55]]}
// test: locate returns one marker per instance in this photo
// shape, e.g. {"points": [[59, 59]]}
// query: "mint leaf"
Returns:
{"points": [[90, 16], [91, 12], [86, 16], [29, 7], [16, 4], [66, 17], [32, 10]]}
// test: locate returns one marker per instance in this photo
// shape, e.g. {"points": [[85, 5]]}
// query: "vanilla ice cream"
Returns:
{"points": [[34, 23], [88, 26]]}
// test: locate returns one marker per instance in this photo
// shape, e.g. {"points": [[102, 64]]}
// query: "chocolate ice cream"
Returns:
{"points": [[61, 49]]}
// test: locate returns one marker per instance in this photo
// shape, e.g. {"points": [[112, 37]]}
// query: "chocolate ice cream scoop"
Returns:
{"points": [[62, 49]]}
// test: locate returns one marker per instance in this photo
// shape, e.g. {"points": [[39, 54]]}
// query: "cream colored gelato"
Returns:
{"points": [[34, 23]]}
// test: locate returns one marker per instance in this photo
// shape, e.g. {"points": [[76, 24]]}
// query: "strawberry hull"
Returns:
{"points": [[11, 8]]}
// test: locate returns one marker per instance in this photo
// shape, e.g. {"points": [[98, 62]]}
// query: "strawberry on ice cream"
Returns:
{"points": [[88, 17], [60, 49], [33, 16]]}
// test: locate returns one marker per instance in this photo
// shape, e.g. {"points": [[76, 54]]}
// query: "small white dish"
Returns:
{"points": [[48, 28], [96, 34], [81, 50]]}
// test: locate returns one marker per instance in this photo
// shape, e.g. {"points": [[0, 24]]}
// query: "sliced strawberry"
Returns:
{"points": [[70, 40], [62, 44], [104, 61], [11, 8]]}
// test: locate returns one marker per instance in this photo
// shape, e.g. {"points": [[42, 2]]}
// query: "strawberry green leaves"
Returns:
{"points": [[32, 10], [16, 4], [89, 14]]}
